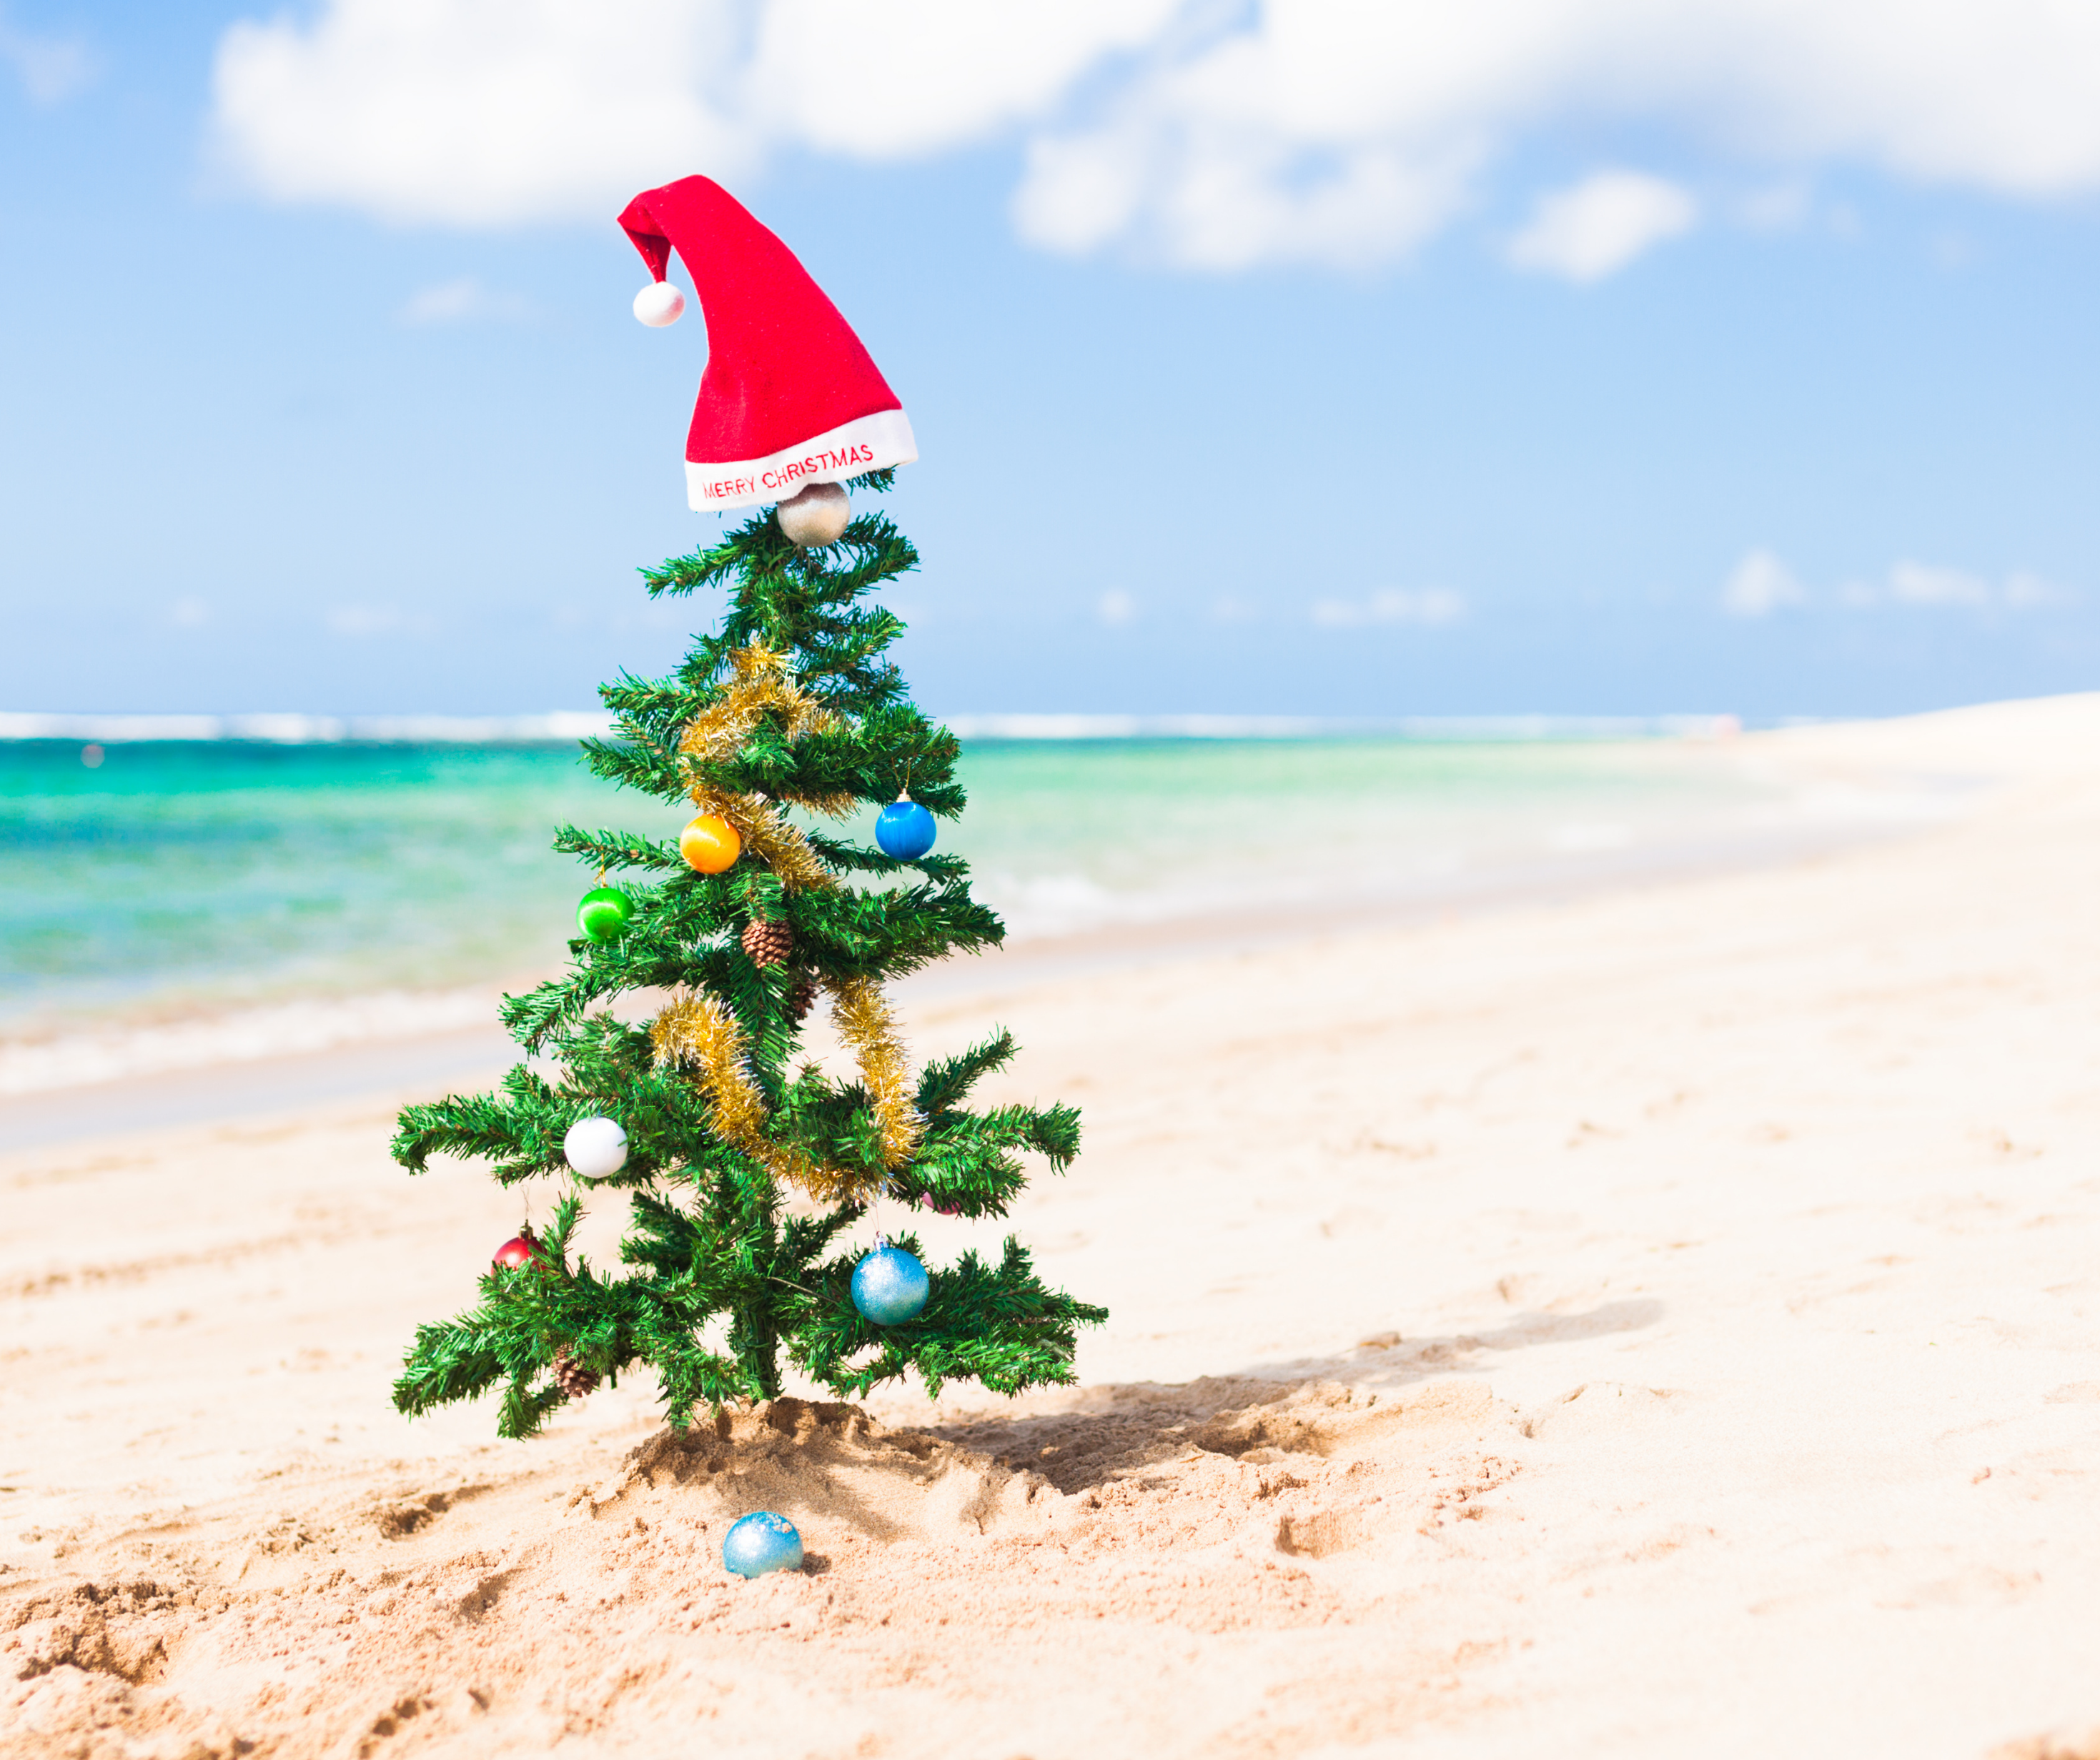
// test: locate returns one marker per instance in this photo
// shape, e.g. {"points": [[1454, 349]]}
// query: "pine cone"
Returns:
{"points": [[574, 1380], [802, 998], [768, 943]]}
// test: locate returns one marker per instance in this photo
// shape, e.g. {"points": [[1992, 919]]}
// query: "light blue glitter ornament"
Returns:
{"points": [[763, 1542], [904, 829], [890, 1286]]}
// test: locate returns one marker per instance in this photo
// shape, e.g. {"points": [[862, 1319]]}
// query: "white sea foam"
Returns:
{"points": [[311, 729], [106, 1054], [1241, 727]]}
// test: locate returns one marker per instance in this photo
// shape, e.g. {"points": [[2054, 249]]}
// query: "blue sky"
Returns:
{"points": [[1530, 372]]}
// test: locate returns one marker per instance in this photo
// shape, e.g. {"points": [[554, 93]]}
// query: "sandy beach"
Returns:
{"points": [[1662, 1321]]}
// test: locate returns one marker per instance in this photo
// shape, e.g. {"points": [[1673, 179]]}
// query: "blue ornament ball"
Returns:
{"points": [[904, 829], [890, 1286], [763, 1542]]}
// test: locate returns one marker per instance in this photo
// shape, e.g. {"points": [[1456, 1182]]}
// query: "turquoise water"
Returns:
{"points": [[1067, 836], [222, 871], [176, 875]]}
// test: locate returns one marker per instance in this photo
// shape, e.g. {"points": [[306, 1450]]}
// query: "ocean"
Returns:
{"points": [[163, 881]]}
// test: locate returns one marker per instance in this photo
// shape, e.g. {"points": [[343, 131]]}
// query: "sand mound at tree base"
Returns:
{"points": [[510, 1615]]}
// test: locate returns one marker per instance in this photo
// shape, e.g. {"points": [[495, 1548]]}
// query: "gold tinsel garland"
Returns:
{"points": [[759, 682], [695, 1031], [861, 1013], [717, 734]]}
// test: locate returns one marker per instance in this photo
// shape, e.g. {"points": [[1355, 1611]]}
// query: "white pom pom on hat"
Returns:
{"points": [[659, 304]]}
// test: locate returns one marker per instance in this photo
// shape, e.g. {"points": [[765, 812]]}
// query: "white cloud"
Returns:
{"points": [[1777, 207], [915, 77], [189, 612], [1225, 203], [463, 301], [365, 620], [1952, 250], [1334, 131], [1916, 583], [1115, 608], [1761, 585], [1599, 226], [478, 112], [1339, 132], [490, 113], [1430, 607], [1923, 583], [51, 69], [2022, 591]]}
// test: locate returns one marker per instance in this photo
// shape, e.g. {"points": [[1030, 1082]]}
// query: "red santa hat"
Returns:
{"points": [[790, 397]]}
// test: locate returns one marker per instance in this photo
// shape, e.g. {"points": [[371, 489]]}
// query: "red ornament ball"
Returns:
{"points": [[514, 1254]]}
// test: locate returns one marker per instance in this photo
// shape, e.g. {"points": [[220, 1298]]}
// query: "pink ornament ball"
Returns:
{"points": [[658, 304]]}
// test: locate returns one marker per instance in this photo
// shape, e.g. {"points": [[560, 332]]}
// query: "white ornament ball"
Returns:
{"points": [[595, 1147], [818, 516], [658, 304]]}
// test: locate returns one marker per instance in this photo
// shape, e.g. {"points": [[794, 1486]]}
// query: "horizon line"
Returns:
{"points": [[561, 726]]}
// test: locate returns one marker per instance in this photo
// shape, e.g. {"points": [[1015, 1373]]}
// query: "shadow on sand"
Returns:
{"points": [[1112, 1429]]}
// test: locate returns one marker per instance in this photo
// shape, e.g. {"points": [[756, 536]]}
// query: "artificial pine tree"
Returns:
{"points": [[745, 1171]]}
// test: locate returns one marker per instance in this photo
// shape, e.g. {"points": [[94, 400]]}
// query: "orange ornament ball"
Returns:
{"points": [[710, 843]]}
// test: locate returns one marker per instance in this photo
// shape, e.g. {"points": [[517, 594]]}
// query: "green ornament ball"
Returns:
{"points": [[604, 912]]}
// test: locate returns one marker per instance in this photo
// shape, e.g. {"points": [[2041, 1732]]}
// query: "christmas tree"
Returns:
{"points": [[745, 1168]]}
